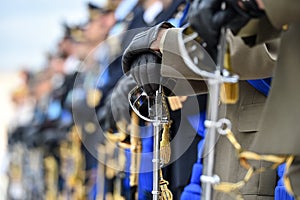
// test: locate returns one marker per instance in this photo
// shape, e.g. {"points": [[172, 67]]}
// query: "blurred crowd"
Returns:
{"points": [[62, 138]]}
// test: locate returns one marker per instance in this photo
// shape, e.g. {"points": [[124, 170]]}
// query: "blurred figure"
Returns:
{"points": [[101, 20], [87, 97], [23, 106]]}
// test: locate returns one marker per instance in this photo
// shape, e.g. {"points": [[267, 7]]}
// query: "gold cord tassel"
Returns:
{"points": [[165, 193], [165, 148]]}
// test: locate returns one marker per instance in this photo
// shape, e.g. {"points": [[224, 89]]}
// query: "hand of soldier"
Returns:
{"points": [[119, 99], [201, 18], [146, 72], [207, 17], [241, 12], [116, 107], [142, 58]]}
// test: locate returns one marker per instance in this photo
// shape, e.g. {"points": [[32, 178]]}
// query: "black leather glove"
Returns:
{"points": [[202, 19], [207, 18], [140, 44], [116, 107], [241, 11], [105, 116], [119, 99], [146, 72], [246, 6], [142, 62]]}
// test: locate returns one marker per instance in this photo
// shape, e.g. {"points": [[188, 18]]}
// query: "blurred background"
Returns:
{"points": [[29, 30], [45, 47], [65, 117]]}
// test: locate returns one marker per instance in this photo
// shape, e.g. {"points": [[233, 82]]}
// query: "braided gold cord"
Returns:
{"points": [[165, 106], [286, 180], [233, 188], [165, 147], [165, 153], [165, 193]]}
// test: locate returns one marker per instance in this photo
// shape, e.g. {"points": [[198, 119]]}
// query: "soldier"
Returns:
{"points": [[278, 117], [169, 45], [176, 182], [96, 80]]}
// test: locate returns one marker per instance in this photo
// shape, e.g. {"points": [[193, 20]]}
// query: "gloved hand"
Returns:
{"points": [[202, 18], [143, 62], [207, 17], [116, 107], [146, 72], [119, 99], [241, 12], [246, 6], [105, 116]]}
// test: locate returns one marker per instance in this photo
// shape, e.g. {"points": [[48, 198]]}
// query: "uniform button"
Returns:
{"points": [[285, 27]]}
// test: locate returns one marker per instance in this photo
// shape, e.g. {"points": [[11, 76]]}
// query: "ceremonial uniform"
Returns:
{"points": [[280, 115], [244, 115], [278, 131], [177, 180], [249, 64]]}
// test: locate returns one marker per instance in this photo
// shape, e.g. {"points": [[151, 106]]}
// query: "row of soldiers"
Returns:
{"points": [[94, 146], [245, 138], [63, 140]]}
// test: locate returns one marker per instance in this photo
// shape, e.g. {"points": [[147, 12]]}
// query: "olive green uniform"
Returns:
{"points": [[248, 63]]}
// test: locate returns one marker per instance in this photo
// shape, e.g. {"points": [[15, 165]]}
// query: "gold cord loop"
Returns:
{"points": [[244, 157]]}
